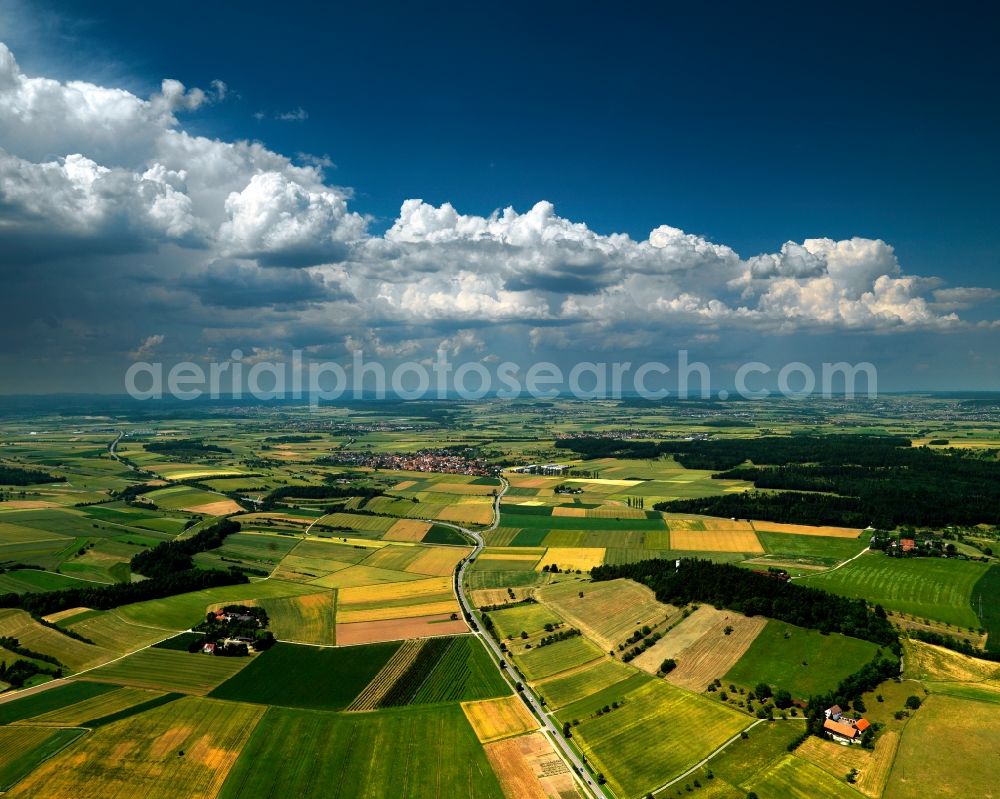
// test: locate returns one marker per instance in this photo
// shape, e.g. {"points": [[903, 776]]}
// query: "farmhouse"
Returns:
{"points": [[844, 733], [843, 729]]}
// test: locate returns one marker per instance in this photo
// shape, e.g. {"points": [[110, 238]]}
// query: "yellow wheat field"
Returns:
{"points": [[356, 615], [411, 589], [437, 561], [571, 558], [715, 540], [565, 510], [493, 719], [467, 514], [806, 529], [407, 530]]}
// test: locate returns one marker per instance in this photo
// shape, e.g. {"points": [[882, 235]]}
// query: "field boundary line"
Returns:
{"points": [[704, 762], [833, 568]]}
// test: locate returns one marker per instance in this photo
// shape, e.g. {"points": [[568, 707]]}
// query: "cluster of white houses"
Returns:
{"points": [[843, 729], [538, 468]]}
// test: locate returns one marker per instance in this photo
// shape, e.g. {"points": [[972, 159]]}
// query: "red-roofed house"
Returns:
{"points": [[841, 732], [908, 544], [862, 725]]}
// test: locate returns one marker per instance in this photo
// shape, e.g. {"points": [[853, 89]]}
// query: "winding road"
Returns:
{"points": [[562, 747]]}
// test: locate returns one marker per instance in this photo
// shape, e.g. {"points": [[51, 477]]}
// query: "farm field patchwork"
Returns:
{"points": [[544, 661], [530, 617], [709, 657], [182, 611], [310, 618], [584, 682], [59, 696], [75, 655]]}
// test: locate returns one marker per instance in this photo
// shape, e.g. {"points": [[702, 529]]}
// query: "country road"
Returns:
{"points": [[561, 745]]}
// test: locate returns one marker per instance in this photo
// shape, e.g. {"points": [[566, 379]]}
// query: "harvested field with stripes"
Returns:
{"points": [[709, 657], [373, 694]]}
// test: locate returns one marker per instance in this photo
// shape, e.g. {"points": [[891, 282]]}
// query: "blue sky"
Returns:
{"points": [[746, 127]]}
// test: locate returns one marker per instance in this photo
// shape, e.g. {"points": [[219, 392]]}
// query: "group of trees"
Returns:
{"points": [[17, 476], [105, 597], [725, 585], [171, 557], [185, 448], [242, 626], [856, 480], [850, 689], [319, 492]]}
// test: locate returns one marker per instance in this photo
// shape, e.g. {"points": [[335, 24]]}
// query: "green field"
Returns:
{"points": [[810, 549], [658, 733], [777, 656], [765, 743], [987, 589], [418, 753], [530, 618], [560, 691], [96, 707], [463, 673], [933, 588], [54, 698], [19, 581], [169, 670], [185, 610], [307, 676], [544, 661], [309, 619]]}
